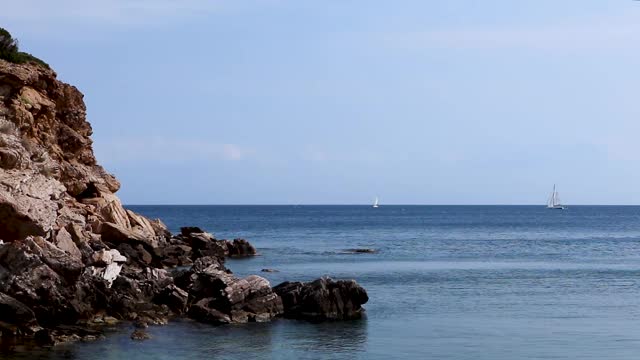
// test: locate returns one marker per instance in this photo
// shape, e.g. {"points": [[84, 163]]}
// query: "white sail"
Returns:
{"points": [[554, 200], [375, 203]]}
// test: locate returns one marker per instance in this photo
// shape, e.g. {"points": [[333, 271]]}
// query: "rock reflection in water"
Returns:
{"points": [[288, 339], [328, 338]]}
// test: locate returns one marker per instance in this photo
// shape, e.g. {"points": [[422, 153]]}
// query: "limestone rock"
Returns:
{"points": [[105, 257], [27, 204], [64, 241]]}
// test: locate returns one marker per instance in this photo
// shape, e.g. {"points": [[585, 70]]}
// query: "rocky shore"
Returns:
{"points": [[73, 259]]}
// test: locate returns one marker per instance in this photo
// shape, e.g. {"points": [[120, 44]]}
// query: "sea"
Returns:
{"points": [[444, 282]]}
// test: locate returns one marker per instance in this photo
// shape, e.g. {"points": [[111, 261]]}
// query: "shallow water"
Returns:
{"points": [[447, 282]]}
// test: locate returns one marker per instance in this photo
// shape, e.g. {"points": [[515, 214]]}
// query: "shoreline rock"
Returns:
{"points": [[323, 299]]}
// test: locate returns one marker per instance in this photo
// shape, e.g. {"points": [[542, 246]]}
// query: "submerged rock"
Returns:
{"points": [[322, 299], [361, 251], [140, 335]]}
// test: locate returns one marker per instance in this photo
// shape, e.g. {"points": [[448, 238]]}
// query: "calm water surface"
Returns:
{"points": [[448, 282]]}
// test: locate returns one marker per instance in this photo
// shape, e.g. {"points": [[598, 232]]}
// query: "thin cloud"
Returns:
{"points": [[110, 12], [168, 150], [233, 152], [607, 33]]}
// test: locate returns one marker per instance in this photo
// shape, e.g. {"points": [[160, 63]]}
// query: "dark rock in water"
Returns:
{"points": [[204, 311], [322, 299], [241, 247], [220, 297], [140, 324], [188, 230], [270, 270], [202, 243], [174, 297], [205, 244], [65, 334], [133, 295], [140, 335], [362, 251]]}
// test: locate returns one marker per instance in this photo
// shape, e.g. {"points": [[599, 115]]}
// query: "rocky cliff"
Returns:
{"points": [[51, 184], [73, 258]]}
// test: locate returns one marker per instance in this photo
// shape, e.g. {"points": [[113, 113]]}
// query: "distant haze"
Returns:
{"points": [[336, 102]]}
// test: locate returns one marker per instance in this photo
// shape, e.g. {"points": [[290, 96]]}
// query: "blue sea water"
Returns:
{"points": [[447, 282]]}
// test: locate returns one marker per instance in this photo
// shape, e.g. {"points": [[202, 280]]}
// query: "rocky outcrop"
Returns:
{"points": [[73, 258], [219, 297], [240, 248], [322, 299]]}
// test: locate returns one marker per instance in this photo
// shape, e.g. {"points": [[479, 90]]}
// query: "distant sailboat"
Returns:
{"points": [[375, 203], [554, 200]]}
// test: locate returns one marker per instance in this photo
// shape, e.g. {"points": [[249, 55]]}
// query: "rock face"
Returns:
{"points": [[51, 179], [322, 299], [72, 257]]}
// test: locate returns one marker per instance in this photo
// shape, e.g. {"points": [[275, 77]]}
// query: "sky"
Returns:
{"points": [[340, 101]]}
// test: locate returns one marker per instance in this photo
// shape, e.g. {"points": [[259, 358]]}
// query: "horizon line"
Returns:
{"points": [[383, 205]]}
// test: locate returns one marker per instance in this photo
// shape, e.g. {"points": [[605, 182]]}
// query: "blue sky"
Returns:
{"points": [[335, 102]]}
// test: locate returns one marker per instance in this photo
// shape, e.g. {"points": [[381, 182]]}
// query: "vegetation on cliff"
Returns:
{"points": [[9, 51]]}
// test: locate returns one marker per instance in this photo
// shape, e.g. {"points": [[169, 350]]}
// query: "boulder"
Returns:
{"points": [[204, 311], [202, 243], [136, 255], [240, 247], [64, 241], [216, 248], [188, 230], [174, 255], [108, 273], [116, 234], [174, 297], [322, 299], [213, 287], [106, 257]]}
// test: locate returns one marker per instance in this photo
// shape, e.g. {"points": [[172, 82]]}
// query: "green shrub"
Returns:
{"points": [[9, 51]]}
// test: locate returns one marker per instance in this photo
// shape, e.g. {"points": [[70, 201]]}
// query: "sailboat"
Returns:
{"points": [[375, 203], [554, 200]]}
